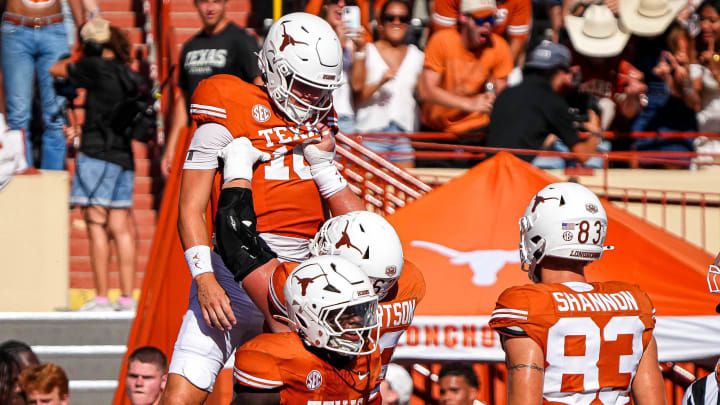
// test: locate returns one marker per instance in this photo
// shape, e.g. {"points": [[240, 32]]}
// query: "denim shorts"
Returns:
{"points": [[101, 183], [401, 144]]}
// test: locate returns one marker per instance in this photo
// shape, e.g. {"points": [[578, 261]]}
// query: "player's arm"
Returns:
{"points": [[648, 386], [242, 249], [525, 370], [245, 396], [258, 379], [192, 226], [195, 189], [330, 183]]}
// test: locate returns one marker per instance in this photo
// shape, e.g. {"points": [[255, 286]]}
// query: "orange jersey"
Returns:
{"points": [[397, 308], [513, 18], [280, 361], [592, 336], [464, 73], [285, 197]]}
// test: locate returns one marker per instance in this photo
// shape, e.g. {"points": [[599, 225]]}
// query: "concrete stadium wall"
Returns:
{"points": [[34, 248]]}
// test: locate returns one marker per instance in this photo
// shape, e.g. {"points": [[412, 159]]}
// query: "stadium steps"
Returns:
{"points": [[88, 346]]}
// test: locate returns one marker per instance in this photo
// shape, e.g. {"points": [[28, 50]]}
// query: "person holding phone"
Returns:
{"points": [[344, 18], [704, 80], [389, 72]]}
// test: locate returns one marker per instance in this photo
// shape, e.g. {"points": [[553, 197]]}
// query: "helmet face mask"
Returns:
{"points": [[563, 220], [368, 241], [331, 305], [713, 279], [301, 62], [349, 324]]}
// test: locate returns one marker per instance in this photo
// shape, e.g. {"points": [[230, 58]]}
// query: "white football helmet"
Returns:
{"points": [[368, 241], [301, 53], [331, 304], [564, 220]]}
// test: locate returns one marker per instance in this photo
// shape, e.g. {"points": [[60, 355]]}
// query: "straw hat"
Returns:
{"points": [[597, 33], [97, 30], [649, 17]]}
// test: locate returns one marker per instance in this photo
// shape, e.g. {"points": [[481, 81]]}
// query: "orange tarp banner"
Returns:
{"points": [[464, 236], [166, 286]]}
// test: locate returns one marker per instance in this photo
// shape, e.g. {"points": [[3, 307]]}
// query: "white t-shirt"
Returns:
{"points": [[709, 115], [342, 96], [394, 100]]}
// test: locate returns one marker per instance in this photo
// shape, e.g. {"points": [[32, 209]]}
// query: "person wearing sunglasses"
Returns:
{"points": [[512, 21], [463, 71], [387, 76]]}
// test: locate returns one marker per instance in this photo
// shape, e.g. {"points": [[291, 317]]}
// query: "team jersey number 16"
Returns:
{"points": [[278, 170]]}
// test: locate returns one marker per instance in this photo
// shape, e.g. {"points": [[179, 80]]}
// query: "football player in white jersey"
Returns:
{"points": [[568, 340]]}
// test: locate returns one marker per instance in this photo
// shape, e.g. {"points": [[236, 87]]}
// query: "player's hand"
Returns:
{"points": [[239, 157], [322, 151], [214, 302]]}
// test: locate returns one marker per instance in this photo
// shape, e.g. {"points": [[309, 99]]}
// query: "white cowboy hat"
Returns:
{"points": [[597, 33], [649, 17]]}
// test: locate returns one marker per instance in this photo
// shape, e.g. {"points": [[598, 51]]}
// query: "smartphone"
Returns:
{"points": [[351, 19]]}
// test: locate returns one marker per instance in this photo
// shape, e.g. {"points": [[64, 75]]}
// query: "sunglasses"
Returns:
{"points": [[482, 20], [403, 19]]}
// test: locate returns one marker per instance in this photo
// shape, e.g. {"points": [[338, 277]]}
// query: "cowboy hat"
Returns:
{"points": [[597, 33], [649, 17]]}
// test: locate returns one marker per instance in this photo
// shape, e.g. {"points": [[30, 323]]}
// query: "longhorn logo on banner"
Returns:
{"points": [[485, 264]]}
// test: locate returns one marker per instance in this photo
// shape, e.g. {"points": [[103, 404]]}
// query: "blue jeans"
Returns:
{"points": [[553, 162], [100, 183], [26, 51], [346, 124]]}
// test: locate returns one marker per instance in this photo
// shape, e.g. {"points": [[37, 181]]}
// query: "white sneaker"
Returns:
{"points": [[130, 306], [94, 306]]}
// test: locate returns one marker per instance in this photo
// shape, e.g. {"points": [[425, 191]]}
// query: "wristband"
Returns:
{"points": [[198, 260], [327, 179], [360, 55]]}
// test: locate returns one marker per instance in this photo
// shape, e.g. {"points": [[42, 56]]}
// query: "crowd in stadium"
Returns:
{"points": [[312, 306]]}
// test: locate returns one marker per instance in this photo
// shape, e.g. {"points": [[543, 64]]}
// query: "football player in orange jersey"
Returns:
{"points": [[331, 356], [370, 242], [567, 340], [271, 203]]}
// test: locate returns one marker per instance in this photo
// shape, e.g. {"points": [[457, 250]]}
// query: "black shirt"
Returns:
{"points": [[101, 78], [230, 51], [524, 115]]}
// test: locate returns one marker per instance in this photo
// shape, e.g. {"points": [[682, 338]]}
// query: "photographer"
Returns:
{"points": [[103, 181], [539, 101]]}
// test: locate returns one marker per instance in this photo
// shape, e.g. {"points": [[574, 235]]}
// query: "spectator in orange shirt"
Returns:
{"points": [[513, 19], [463, 70]]}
